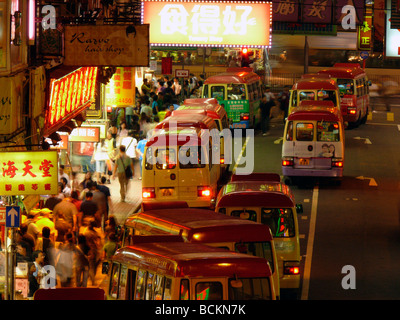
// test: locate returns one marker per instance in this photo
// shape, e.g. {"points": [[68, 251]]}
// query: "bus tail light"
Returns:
{"points": [[244, 116], [291, 268], [203, 191], [221, 160], [287, 162], [351, 110], [337, 162], [148, 193]]}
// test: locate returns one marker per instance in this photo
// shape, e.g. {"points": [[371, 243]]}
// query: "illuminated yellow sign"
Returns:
{"points": [[208, 23], [28, 173]]}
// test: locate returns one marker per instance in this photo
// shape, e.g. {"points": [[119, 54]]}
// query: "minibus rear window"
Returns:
{"points": [[166, 159], [304, 131], [346, 86], [250, 289], [328, 131], [245, 214], [190, 157], [280, 221]]}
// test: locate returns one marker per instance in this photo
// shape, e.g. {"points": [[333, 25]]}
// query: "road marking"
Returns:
{"points": [[369, 117], [240, 155], [278, 141], [310, 246], [367, 141], [372, 182], [390, 116]]}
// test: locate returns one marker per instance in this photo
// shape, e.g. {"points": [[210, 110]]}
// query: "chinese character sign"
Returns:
{"points": [[85, 134], [317, 11], [120, 91], [286, 10], [28, 173], [208, 23]]}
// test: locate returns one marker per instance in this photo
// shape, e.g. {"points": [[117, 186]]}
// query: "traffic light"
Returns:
{"points": [[245, 54]]}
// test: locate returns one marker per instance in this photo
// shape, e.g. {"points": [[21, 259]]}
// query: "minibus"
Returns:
{"points": [[239, 91], [267, 201], [314, 87], [313, 141], [152, 270], [207, 227], [353, 87], [178, 164]]}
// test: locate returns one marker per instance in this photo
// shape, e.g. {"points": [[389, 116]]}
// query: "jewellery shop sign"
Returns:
{"points": [[28, 173]]}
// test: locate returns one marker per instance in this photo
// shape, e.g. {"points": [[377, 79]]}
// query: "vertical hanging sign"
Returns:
{"points": [[364, 31]]}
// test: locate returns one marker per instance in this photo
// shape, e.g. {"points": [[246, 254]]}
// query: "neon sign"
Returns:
{"points": [[70, 94], [206, 23]]}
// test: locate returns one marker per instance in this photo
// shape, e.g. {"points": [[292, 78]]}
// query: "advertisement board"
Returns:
{"points": [[120, 91], [392, 36], [28, 173], [107, 45], [206, 23]]}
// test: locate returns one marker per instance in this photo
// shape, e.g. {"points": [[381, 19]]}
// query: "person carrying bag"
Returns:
{"points": [[123, 164]]}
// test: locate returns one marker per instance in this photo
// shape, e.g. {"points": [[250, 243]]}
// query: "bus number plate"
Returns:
{"points": [[167, 192], [304, 162]]}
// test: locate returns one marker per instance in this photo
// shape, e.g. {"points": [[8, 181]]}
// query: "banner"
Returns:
{"points": [[120, 91], [208, 23], [107, 45], [28, 173]]}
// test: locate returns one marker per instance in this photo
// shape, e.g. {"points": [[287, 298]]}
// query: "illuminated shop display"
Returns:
{"points": [[225, 24], [28, 173], [69, 95]]}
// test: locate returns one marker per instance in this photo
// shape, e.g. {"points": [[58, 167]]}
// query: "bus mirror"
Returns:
{"points": [[299, 208], [236, 283]]}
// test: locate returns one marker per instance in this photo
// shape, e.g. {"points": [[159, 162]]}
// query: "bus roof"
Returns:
{"points": [[191, 259], [256, 194], [177, 136], [315, 112], [315, 84], [234, 75], [344, 71], [201, 225], [202, 121]]}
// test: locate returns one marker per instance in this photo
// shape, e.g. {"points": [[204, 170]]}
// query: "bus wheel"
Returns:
{"points": [[288, 180]]}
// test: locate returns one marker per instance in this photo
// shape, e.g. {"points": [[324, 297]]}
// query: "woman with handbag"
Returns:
{"points": [[124, 168]]}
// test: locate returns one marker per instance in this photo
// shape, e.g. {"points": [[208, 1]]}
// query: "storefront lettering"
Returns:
{"points": [[80, 37]]}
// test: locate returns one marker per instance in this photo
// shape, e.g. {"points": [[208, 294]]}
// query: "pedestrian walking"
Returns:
{"points": [[122, 165], [82, 262], [65, 260], [93, 240]]}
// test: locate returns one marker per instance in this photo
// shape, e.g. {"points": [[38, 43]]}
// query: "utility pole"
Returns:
{"points": [[305, 55]]}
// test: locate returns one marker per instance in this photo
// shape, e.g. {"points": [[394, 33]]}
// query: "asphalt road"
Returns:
{"points": [[349, 233]]}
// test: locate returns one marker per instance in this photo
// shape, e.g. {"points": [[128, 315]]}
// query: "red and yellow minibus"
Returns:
{"points": [[314, 141], [239, 91], [178, 164], [161, 270], [353, 87], [263, 199], [314, 87], [207, 227]]}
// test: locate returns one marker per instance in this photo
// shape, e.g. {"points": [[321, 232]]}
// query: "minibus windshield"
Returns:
{"points": [[250, 289], [280, 221]]}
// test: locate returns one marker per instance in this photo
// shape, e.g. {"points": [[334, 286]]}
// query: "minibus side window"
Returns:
{"points": [[328, 131], [218, 92], [158, 287], [304, 131], [205, 91], [141, 285], [184, 291], [251, 289], [293, 94], [149, 286], [122, 283], [258, 249], [280, 221], [114, 279], [167, 289], [131, 285], [209, 291], [289, 132]]}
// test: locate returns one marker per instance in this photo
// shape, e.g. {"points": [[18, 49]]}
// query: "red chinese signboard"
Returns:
{"points": [[69, 95], [27, 173]]}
